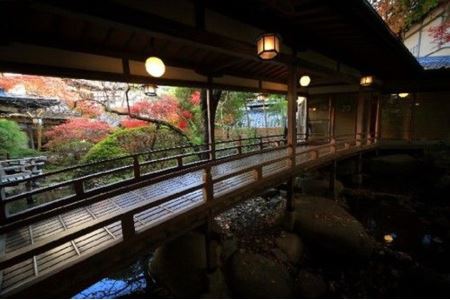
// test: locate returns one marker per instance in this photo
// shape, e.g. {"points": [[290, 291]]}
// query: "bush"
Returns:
{"points": [[73, 139], [13, 141], [133, 140], [128, 141]]}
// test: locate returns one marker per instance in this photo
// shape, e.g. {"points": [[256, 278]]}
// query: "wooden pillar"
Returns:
{"points": [[292, 128], [332, 183], [359, 118], [292, 103], [411, 118], [210, 122], [210, 250], [307, 119], [378, 119], [332, 118]]}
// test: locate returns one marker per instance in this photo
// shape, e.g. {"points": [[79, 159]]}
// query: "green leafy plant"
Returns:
{"points": [[13, 141]]}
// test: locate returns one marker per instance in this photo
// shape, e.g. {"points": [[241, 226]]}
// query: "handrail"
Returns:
{"points": [[123, 157], [79, 182], [81, 192]]}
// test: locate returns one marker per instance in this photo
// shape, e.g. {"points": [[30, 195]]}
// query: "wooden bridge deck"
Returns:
{"points": [[28, 270]]}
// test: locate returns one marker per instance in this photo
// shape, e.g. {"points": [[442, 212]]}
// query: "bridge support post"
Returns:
{"points": [[359, 169], [291, 139], [332, 118], [332, 182], [211, 246]]}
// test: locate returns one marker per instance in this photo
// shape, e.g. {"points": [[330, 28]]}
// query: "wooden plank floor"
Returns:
{"points": [[41, 264]]}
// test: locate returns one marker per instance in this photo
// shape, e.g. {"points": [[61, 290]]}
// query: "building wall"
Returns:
{"points": [[418, 39], [424, 116]]}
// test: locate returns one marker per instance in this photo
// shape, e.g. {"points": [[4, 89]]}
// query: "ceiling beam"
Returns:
{"points": [[117, 15]]}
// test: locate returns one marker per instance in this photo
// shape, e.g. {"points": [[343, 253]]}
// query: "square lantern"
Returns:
{"points": [[150, 90], [268, 45], [366, 80]]}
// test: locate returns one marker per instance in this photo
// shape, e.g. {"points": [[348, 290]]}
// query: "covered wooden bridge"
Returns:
{"points": [[58, 237]]}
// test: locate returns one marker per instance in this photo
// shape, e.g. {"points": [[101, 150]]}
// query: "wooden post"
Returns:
{"points": [[240, 145], [332, 118], [377, 121], [211, 257], [411, 120], [292, 126], [359, 170], [359, 119], [128, 229], [261, 144], [332, 183], [211, 139], [29, 188], [208, 190], [2, 206], [136, 168], [78, 187], [179, 161]]}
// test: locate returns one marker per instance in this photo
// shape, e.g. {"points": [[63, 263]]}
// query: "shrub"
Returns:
{"points": [[13, 141], [71, 140]]}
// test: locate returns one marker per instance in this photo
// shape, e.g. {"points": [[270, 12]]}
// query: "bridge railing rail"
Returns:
{"points": [[40, 194]]}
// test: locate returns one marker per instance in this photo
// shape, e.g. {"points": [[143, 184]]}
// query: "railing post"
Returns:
{"points": [[258, 173], [208, 190], [128, 229], [261, 145], [358, 139], [2, 205], [179, 161], [315, 154], [29, 187], [239, 145], [333, 145], [79, 188], [136, 167]]}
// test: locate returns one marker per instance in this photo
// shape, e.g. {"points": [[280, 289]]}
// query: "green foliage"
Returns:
{"points": [[401, 14], [191, 112], [278, 108], [231, 108], [13, 140], [133, 140]]}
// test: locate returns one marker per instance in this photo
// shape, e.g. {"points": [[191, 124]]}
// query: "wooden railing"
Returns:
{"points": [[126, 215], [46, 195]]}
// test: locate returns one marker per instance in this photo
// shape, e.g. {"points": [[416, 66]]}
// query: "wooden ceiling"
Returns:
{"points": [[350, 34]]}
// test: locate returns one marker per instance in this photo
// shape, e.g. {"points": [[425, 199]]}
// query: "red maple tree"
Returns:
{"points": [[77, 129], [133, 123], [440, 33]]}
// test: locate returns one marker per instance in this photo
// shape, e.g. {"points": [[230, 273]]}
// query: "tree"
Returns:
{"points": [[231, 109], [133, 123], [71, 140], [440, 33], [400, 14]]}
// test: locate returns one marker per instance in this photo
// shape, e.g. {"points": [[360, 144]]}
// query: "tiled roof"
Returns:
{"points": [[435, 62]]}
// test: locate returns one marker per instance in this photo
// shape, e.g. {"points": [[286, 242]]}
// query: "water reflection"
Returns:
{"points": [[108, 288]]}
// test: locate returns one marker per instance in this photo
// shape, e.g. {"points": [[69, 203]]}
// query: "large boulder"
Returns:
{"points": [[319, 187], [291, 245], [394, 165], [180, 266], [331, 228], [309, 285], [254, 276]]}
